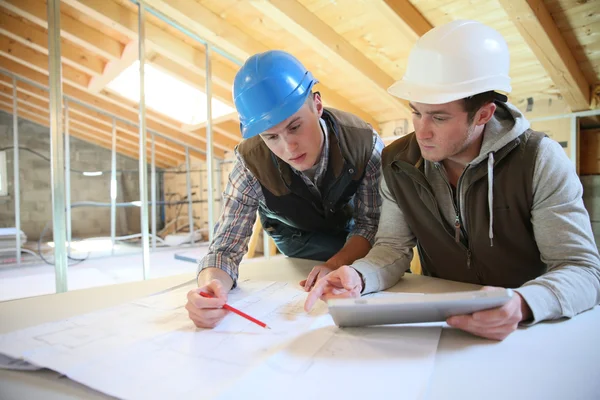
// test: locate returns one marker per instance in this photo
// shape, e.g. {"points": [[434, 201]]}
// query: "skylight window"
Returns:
{"points": [[167, 94]]}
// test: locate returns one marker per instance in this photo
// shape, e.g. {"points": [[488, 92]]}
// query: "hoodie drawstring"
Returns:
{"points": [[491, 196]]}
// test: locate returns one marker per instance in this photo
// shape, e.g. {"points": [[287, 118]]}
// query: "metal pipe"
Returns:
{"points": [[143, 164], [113, 188], [16, 178], [57, 148], [188, 183], [99, 110], [68, 177], [209, 145], [153, 194]]}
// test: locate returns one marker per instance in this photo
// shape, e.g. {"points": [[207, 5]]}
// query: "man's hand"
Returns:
{"points": [[496, 323], [317, 273], [207, 312], [344, 282]]}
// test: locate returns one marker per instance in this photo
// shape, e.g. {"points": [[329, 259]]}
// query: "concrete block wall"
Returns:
{"points": [[36, 200]]}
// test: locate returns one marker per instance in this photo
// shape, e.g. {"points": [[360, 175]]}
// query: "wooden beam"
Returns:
{"points": [[40, 108], [114, 67], [256, 229], [307, 27], [406, 16], [200, 20], [206, 25], [112, 105], [39, 62], [36, 118], [173, 128], [123, 20], [37, 38], [227, 117], [96, 120], [538, 29], [70, 28], [190, 77]]}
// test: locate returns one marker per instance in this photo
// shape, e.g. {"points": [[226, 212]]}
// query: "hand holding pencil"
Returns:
{"points": [[207, 312], [207, 306], [238, 312]]}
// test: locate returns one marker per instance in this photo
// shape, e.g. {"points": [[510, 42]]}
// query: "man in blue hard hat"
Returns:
{"points": [[312, 173]]}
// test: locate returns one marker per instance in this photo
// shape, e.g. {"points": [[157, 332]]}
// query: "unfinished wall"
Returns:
{"points": [[36, 200], [175, 190]]}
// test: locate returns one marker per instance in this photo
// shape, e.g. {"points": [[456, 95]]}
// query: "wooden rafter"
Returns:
{"points": [[40, 97], [306, 26], [39, 62], [114, 67], [80, 83], [405, 15], [125, 21], [113, 105], [37, 38], [30, 106], [190, 77], [216, 30], [538, 29], [105, 143], [71, 29]]}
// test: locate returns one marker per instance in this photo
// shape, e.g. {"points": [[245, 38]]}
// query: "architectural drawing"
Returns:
{"points": [[149, 349]]}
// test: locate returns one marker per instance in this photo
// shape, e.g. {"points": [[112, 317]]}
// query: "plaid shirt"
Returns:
{"points": [[243, 195]]}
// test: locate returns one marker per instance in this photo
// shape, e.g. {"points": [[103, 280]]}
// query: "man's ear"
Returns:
{"points": [[318, 103], [485, 113]]}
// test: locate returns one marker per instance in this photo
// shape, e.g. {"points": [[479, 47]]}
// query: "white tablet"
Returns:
{"points": [[411, 308]]}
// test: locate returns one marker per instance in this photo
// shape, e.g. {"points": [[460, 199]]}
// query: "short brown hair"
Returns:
{"points": [[472, 104]]}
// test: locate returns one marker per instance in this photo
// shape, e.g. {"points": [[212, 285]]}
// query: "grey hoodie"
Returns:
{"points": [[560, 221]]}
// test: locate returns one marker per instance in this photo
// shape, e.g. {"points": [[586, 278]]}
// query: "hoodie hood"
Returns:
{"points": [[505, 126]]}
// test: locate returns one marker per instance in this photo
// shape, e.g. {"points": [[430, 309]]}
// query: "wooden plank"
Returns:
{"points": [[239, 44], [37, 38], [190, 77], [111, 106], [404, 13], [300, 22], [216, 121], [256, 229], [539, 30], [36, 118], [589, 156], [40, 108], [120, 18], [71, 29], [38, 61], [115, 67], [31, 91], [27, 92]]}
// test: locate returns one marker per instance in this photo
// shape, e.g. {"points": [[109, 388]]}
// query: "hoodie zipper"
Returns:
{"points": [[455, 204], [440, 218], [457, 220]]}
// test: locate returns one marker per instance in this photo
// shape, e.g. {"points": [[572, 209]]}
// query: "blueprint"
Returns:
{"points": [[149, 349]]}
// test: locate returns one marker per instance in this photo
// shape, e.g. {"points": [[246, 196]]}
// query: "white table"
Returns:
{"points": [[552, 360]]}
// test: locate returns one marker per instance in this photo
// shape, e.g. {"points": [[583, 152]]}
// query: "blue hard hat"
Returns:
{"points": [[269, 88]]}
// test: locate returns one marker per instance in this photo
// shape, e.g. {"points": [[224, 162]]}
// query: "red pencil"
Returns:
{"points": [[238, 312]]}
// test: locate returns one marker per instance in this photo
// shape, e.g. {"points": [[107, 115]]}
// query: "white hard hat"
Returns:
{"points": [[455, 61]]}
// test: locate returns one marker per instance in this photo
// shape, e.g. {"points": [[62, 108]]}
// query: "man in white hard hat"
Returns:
{"points": [[484, 198]]}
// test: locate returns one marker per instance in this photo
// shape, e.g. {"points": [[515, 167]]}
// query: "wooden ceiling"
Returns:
{"points": [[356, 49]]}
